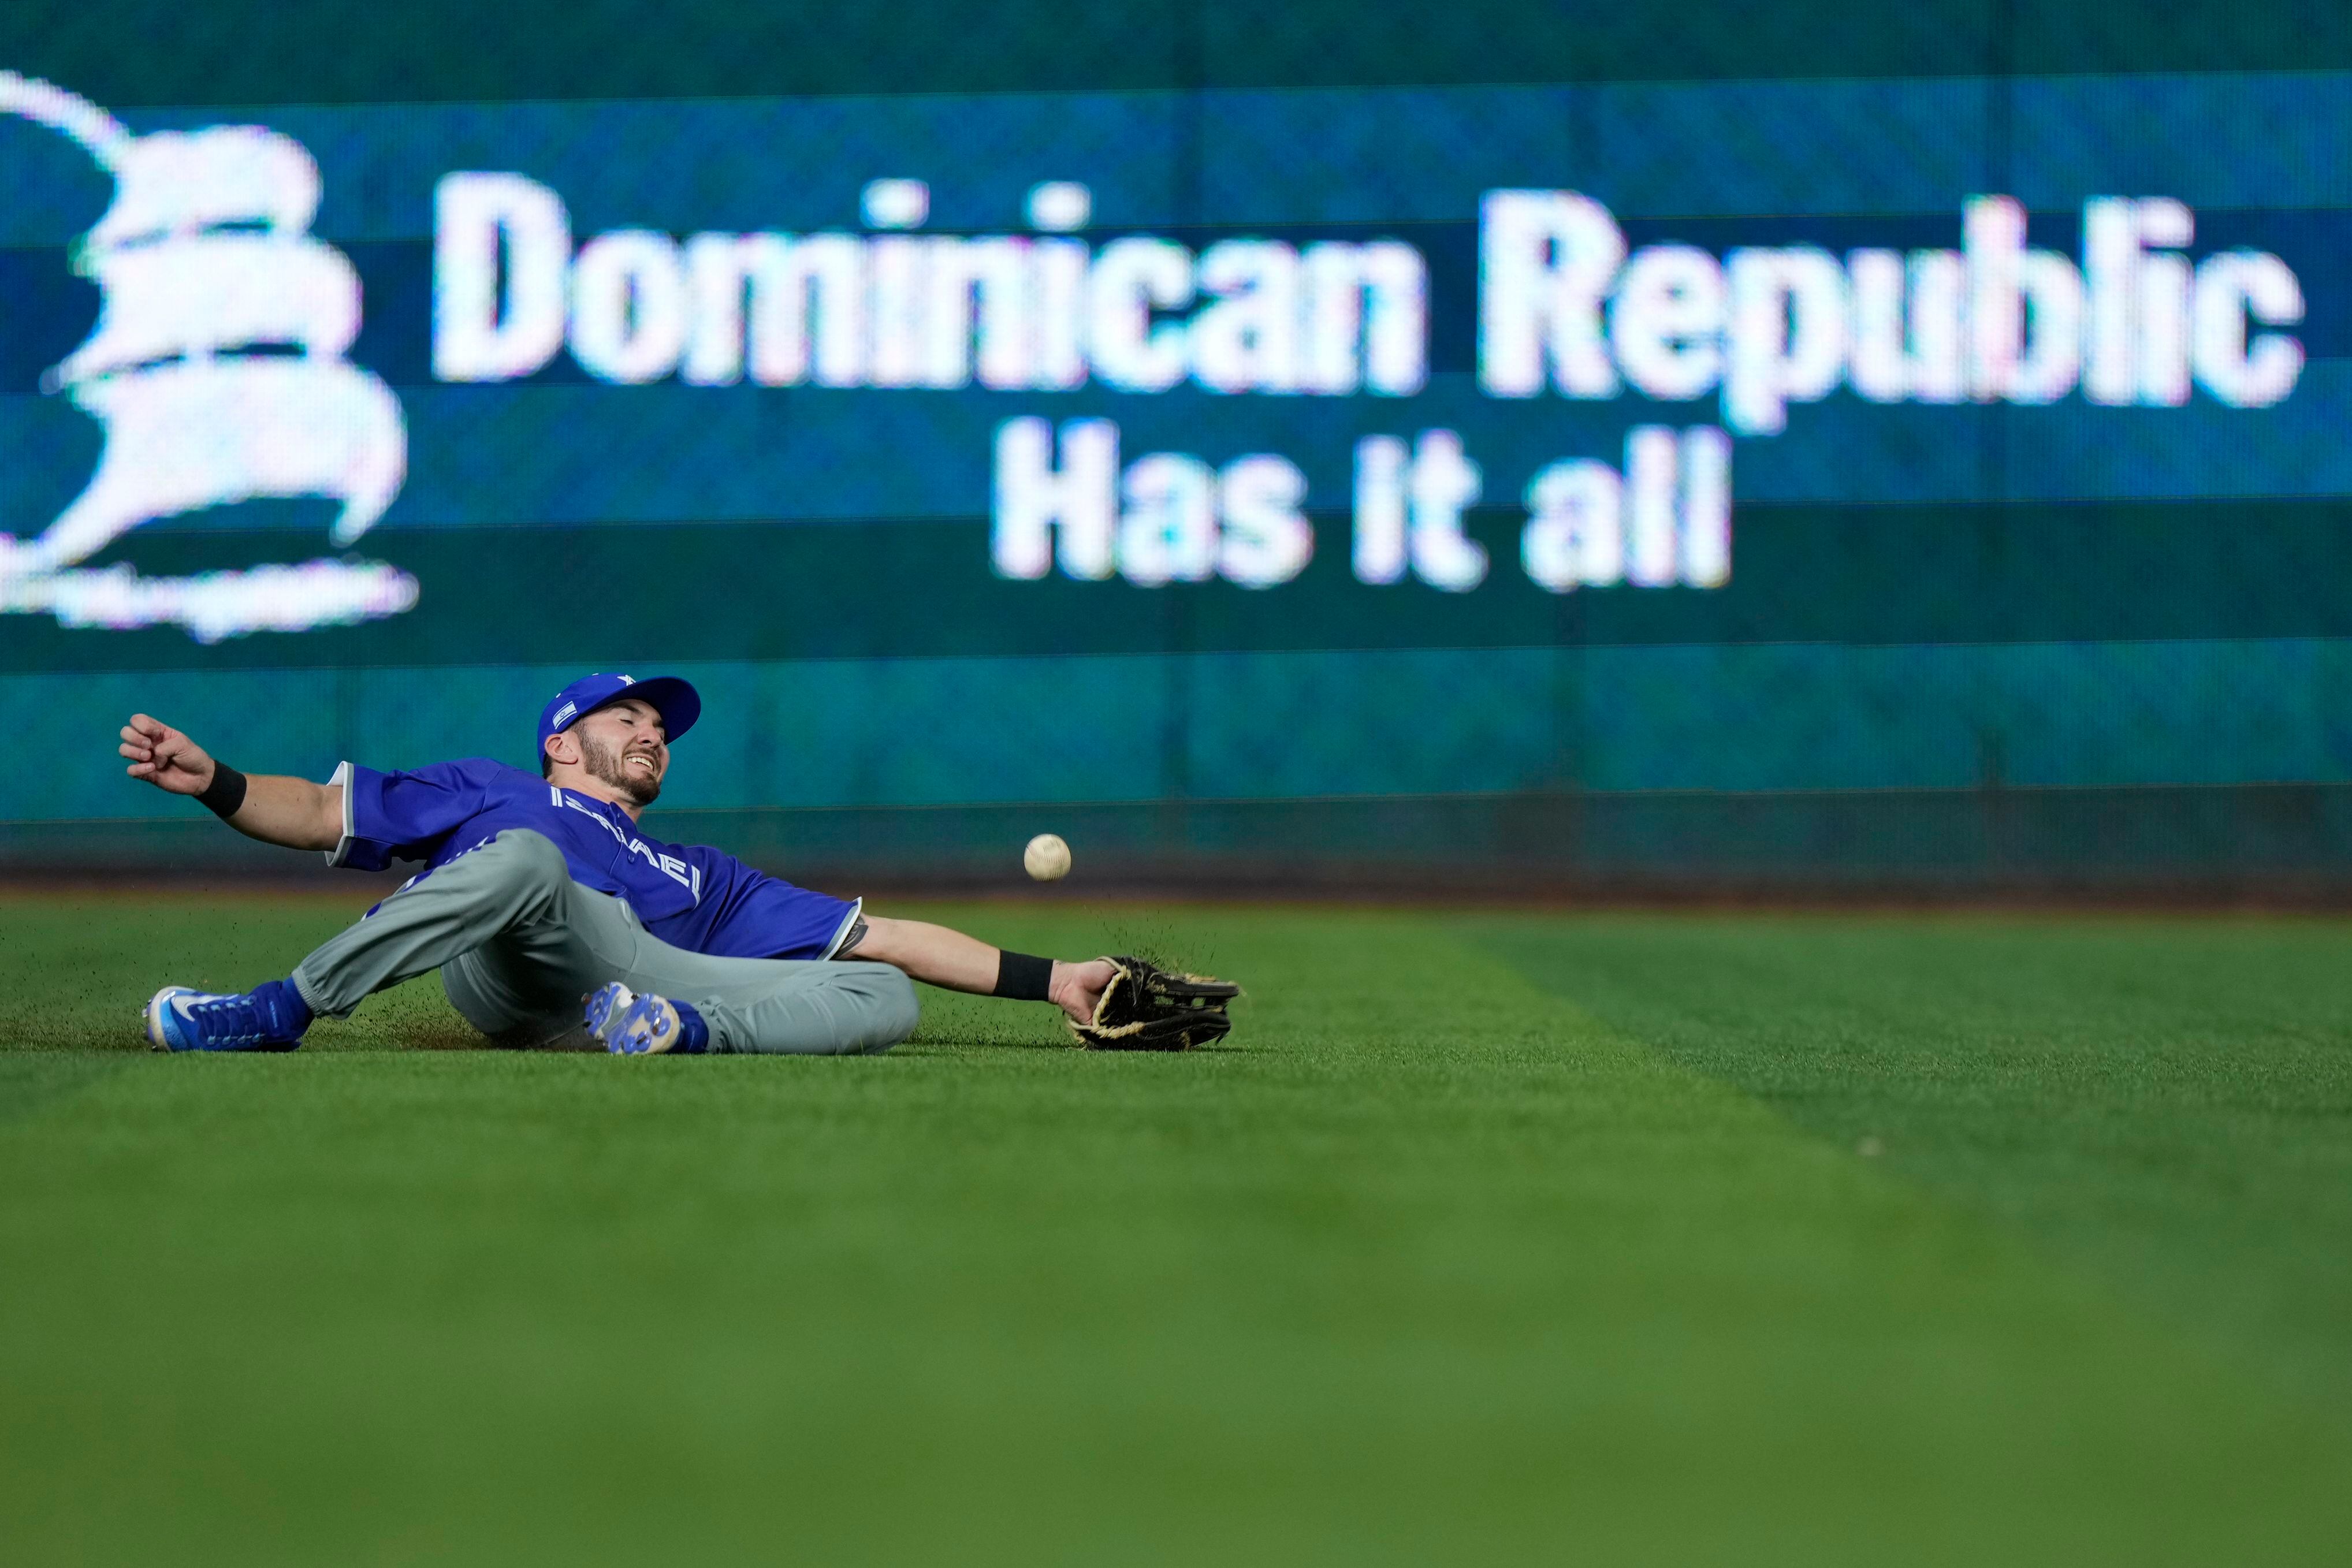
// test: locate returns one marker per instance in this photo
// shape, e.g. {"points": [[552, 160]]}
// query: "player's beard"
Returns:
{"points": [[610, 764]]}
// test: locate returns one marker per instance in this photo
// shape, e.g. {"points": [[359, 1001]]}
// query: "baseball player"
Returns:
{"points": [[538, 893]]}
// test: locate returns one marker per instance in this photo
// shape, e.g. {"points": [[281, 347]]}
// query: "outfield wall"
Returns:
{"points": [[1660, 451]]}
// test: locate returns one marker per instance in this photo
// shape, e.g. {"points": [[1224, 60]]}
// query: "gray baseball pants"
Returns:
{"points": [[519, 942]]}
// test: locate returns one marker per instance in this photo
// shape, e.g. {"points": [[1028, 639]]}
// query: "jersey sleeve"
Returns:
{"points": [[754, 916], [405, 816]]}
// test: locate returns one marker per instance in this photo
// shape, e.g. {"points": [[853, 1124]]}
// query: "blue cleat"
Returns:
{"points": [[181, 1018], [632, 1025]]}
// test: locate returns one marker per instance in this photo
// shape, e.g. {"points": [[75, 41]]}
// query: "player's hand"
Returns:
{"points": [[1077, 988], [164, 757]]}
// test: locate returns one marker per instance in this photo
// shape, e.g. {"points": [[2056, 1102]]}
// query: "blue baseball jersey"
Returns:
{"points": [[691, 895]]}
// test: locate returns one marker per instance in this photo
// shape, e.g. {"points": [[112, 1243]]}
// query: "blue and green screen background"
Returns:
{"points": [[1976, 645]]}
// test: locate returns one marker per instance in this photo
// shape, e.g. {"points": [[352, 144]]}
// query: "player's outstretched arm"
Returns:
{"points": [[939, 956], [276, 809]]}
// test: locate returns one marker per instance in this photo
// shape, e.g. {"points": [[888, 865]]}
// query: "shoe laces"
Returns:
{"points": [[227, 1020]]}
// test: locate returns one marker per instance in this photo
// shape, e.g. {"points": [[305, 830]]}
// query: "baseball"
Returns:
{"points": [[1047, 858]]}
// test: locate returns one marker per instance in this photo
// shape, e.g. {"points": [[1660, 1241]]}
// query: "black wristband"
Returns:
{"points": [[1024, 978], [225, 794]]}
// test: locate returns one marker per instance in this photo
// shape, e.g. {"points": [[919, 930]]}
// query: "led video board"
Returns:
{"points": [[1436, 446]]}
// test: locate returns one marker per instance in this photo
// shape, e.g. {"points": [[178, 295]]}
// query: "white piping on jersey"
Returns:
{"points": [[848, 924], [671, 866], [342, 779]]}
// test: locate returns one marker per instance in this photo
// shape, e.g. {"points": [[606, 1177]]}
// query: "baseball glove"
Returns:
{"points": [[1146, 1008]]}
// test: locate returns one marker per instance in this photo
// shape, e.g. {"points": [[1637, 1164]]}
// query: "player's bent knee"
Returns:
{"points": [[529, 854], [888, 1008]]}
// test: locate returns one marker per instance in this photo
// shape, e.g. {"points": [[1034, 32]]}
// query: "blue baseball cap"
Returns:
{"points": [[672, 698]]}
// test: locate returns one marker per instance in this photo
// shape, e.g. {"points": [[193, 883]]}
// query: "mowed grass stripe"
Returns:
{"points": [[1432, 1266], [2165, 1103]]}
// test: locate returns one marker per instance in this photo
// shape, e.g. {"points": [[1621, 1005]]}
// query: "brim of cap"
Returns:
{"points": [[679, 704]]}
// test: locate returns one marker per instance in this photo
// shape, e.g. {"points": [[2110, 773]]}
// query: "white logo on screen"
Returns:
{"points": [[216, 374]]}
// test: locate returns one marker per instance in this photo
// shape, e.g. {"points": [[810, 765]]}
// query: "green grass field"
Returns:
{"points": [[1489, 1237]]}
